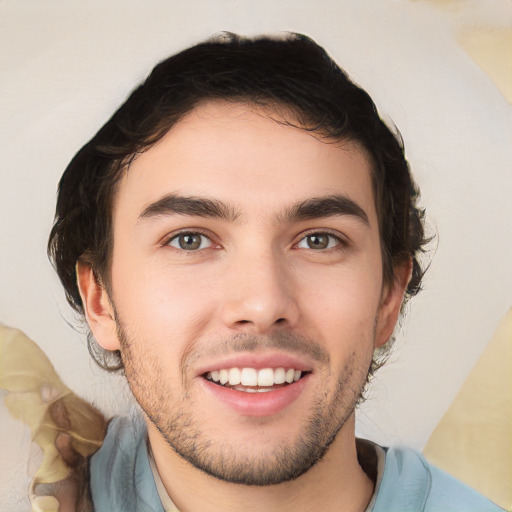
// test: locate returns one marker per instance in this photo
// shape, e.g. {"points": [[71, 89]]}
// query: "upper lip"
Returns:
{"points": [[258, 361]]}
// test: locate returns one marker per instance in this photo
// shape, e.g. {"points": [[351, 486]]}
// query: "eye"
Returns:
{"points": [[319, 241], [190, 241]]}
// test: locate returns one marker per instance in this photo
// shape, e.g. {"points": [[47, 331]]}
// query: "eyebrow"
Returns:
{"points": [[324, 206], [189, 205], [312, 208]]}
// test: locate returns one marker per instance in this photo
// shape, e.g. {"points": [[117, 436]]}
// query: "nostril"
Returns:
{"points": [[280, 320]]}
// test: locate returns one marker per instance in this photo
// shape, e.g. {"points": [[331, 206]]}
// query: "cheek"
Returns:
{"points": [[343, 311], [161, 305]]}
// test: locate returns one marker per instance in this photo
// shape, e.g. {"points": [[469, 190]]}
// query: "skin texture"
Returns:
{"points": [[262, 283]]}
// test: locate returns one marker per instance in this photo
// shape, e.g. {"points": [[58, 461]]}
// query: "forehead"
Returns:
{"points": [[247, 157]]}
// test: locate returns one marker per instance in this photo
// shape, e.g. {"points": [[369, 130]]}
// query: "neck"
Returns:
{"points": [[335, 483]]}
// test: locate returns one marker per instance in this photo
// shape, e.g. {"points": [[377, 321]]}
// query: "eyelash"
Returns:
{"points": [[340, 243], [175, 236]]}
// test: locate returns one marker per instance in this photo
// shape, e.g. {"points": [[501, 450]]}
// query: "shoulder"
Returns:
{"points": [[121, 477], [410, 483]]}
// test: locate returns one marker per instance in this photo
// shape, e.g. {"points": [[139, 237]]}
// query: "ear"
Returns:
{"points": [[98, 310], [391, 302]]}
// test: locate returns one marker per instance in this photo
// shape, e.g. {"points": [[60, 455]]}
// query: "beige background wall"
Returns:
{"points": [[65, 65]]}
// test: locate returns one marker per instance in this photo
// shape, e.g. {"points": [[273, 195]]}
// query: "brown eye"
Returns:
{"points": [[318, 241], [190, 241]]}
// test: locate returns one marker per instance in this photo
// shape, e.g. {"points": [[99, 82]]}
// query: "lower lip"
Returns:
{"points": [[257, 404]]}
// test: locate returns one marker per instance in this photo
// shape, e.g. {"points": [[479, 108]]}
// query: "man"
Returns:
{"points": [[240, 237]]}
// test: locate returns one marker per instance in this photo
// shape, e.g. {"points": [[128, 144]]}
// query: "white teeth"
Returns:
{"points": [[279, 376], [234, 376], [264, 378], [224, 376], [249, 377], [251, 390]]}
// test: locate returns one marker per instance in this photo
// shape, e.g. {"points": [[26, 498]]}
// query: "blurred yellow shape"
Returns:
{"points": [[35, 396], [491, 49], [473, 440]]}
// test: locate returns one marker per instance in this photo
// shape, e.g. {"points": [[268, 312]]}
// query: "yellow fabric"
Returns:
{"points": [[45, 504], [34, 389], [473, 440]]}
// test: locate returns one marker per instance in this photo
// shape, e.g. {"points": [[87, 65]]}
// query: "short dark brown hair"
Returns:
{"points": [[290, 72]]}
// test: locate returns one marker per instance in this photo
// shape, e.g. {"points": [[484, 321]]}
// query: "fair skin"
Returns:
{"points": [[274, 265]]}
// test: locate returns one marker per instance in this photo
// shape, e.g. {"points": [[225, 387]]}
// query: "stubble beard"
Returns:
{"points": [[174, 418]]}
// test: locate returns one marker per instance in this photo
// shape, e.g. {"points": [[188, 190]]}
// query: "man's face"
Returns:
{"points": [[247, 250]]}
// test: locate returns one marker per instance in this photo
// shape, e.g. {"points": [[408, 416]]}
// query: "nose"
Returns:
{"points": [[259, 295]]}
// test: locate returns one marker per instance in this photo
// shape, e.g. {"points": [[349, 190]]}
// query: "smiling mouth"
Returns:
{"points": [[251, 380]]}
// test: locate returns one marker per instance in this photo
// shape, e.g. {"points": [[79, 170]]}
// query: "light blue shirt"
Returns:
{"points": [[122, 480]]}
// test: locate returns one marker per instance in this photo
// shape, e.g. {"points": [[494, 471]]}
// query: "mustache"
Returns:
{"points": [[247, 342]]}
